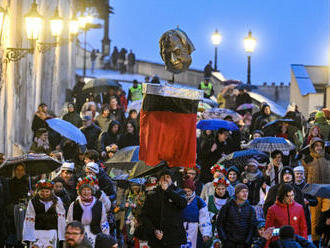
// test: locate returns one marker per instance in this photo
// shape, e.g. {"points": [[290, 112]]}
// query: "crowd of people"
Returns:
{"points": [[121, 61], [85, 204]]}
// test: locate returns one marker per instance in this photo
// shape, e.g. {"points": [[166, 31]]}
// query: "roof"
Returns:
{"points": [[304, 82], [274, 107]]}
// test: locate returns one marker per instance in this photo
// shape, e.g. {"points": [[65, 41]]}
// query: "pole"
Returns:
{"points": [[249, 70], [85, 47], [215, 58]]}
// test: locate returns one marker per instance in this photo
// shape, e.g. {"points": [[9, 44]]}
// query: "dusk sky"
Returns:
{"points": [[287, 32]]}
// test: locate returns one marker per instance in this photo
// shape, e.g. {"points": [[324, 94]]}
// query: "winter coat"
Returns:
{"points": [[271, 177], [38, 123], [254, 184], [128, 139], [106, 184], [260, 242], [65, 197], [312, 203], [235, 224], [204, 145], [91, 133], [317, 170], [272, 193], [322, 227], [163, 210], [242, 98], [18, 189], [281, 214], [208, 190], [324, 127], [108, 138], [117, 115], [288, 243], [73, 118], [103, 122]]}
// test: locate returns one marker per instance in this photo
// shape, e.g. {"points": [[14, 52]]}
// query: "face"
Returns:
{"points": [[318, 147], [106, 113], [299, 176], [243, 195], [111, 154], [277, 159], [92, 108], [133, 115], [284, 128], [252, 168], [44, 193], [165, 178], [287, 177], [87, 160], [66, 175], [261, 231], [256, 135], [208, 132], [71, 109], [115, 129], [89, 172], [73, 236], [189, 192], [232, 176], [315, 132], [87, 123], [130, 128], [222, 137], [267, 110], [289, 198], [58, 187], [44, 109], [19, 171], [113, 103], [44, 136], [191, 174], [220, 190], [86, 193], [175, 54]]}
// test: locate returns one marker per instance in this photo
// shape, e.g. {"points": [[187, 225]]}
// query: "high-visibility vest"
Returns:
{"points": [[136, 93], [207, 88]]}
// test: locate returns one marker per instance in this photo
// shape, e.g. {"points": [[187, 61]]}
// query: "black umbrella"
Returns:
{"points": [[98, 85], [317, 190], [35, 164], [141, 169]]}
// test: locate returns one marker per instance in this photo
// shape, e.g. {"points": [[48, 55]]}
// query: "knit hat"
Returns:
{"points": [[299, 168], [67, 167], [316, 139], [94, 167], [218, 167], [239, 187], [233, 168], [166, 172], [44, 184], [319, 114], [253, 162], [259, 132], [261, 224], [189, 184], [219, 181], [89, 182]]}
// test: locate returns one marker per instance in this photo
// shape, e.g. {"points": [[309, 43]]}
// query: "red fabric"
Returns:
{"points": [[277, 216], [283, 135], [168, 136]]}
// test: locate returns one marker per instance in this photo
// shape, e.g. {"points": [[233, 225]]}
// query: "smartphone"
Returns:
{"points": [[276, 232]]}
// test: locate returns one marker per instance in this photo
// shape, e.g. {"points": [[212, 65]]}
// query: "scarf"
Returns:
{"points": [[253, 176]]}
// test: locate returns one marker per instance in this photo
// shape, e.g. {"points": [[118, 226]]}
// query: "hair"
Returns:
{"points": [[286, 232], [105, 107], [221, 131], [283, 190], [76, 224], [132, 111], [275, 153], [113, 97], [133, 124], [92, 155]]}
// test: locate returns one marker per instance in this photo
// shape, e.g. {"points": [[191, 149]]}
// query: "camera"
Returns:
{"points": [[276, 232]]}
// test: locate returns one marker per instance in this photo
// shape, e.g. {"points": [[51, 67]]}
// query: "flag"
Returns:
{"points": [[168, 125]]}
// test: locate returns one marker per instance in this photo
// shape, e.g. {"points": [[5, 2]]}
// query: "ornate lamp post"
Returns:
{"points": [[216, 40], [249, 44]]}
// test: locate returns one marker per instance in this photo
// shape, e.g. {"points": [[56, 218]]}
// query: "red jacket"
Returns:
{"points": [[281, 214]]}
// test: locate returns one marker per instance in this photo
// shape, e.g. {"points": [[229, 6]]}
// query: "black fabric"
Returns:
{"points": [[18, 189], [96, 215], [91, 133], [44, 220], [38, 123], [162, 210], [128, 139], [171, 104], [106, 184], [204, 159], [73, 118]]}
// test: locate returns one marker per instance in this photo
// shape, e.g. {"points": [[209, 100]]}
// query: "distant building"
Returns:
{"points": [[308, 87]]}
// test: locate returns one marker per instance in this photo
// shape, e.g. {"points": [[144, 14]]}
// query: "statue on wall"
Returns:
{"points": [[175, 50]]}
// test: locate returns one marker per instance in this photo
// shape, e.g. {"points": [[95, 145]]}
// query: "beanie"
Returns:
{"points": [[67, 167], [189, 184], [239, 187], [299, 168], [94, 167]]}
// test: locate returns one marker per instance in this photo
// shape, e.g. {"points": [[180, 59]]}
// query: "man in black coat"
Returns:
{"points": [[91, 132], [72, 116], [286, 176], [237, 220], [162, 214]]}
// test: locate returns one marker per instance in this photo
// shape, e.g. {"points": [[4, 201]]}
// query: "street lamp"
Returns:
{"points": [[74, 26], [84, 22], [56, 24], [249, 44], [216, 40]]}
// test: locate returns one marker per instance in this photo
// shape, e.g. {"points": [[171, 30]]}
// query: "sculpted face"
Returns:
{"points": [[175, 50]]}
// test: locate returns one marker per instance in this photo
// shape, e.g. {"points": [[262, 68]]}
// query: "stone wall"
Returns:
{"points": [[277, 93], [38, 77]]}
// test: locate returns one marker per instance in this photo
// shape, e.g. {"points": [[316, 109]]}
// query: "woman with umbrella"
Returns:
{"points": [[88, 210], [44, 222]]}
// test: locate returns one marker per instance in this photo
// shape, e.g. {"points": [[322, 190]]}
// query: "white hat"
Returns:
{"points": [[67, 166], [299, 168], [94, 167]]}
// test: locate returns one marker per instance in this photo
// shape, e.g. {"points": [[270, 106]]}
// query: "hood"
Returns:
{"points": [[286, 168], [112, 123], [234, 168]]}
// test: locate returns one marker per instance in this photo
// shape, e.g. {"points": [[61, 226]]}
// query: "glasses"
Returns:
{"points": [[73, 233]]}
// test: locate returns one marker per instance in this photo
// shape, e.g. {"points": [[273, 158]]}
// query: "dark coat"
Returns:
{"points": [[243, 98], [38, 123], [18, 189], [91, 133], [117, 115], [128, 139], [204, 145], [271, 196], [260, 243], [322, 227], [108, 138], [73, 118], [106, 184], [289, 243], [236, 224], [254, 187], [65, 197], [163, 210]]}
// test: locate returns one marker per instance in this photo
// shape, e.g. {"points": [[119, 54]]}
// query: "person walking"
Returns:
{"points": [[131, 61], [208, 70], [93, 58], [114, 58], [237, 220], [162, 214]]}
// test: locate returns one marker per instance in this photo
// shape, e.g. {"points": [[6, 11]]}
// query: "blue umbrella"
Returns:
{"points": [[240, 158], [215, 124], [67, 130], [270, 144]]}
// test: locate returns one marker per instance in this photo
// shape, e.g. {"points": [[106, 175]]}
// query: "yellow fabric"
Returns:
{"points": [[322, 206], [221, 100]]}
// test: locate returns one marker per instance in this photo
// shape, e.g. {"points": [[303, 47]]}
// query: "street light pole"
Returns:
{"points": [[216, 40], [249, 70], [216, 58], [85, 47], [249, 43]]}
